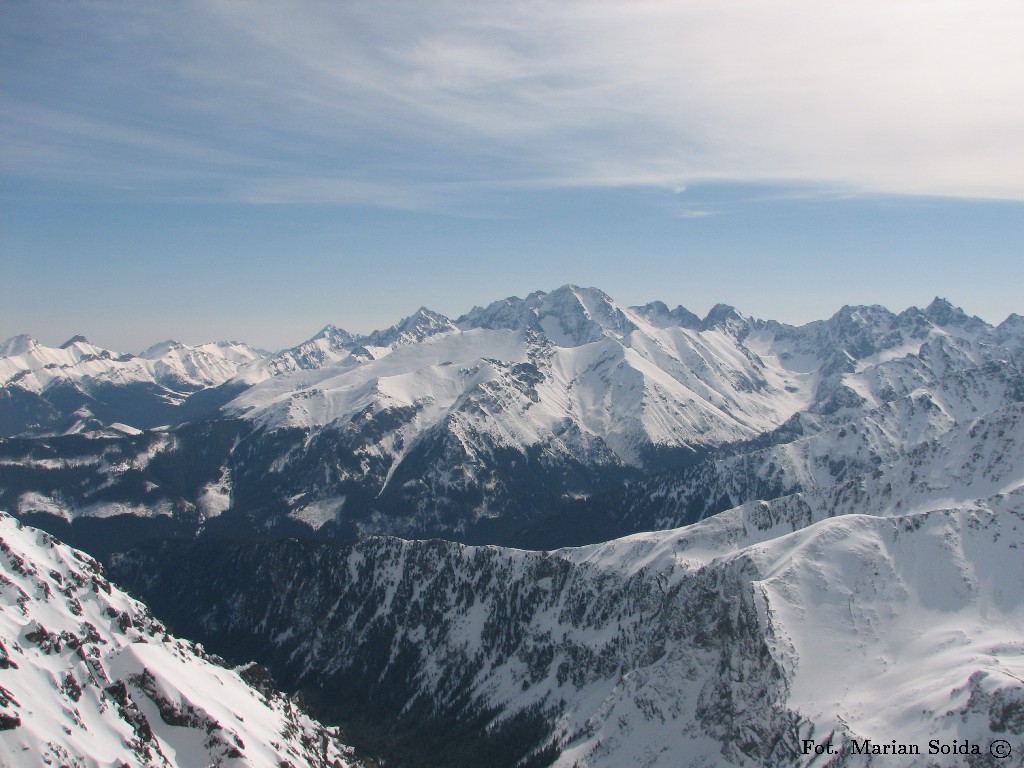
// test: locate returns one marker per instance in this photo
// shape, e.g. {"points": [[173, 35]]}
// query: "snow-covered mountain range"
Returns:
{"points": [[79, 387], [89, 679], [555, 419], [793, 536], [887, 609]]}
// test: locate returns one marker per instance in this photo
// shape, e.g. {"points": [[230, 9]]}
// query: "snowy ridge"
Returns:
{"points": [[977, 466], [88, 678], [852, 571], [569, 375], [598, 364], [606, 370], [861, 420], [200, 365], [331, 347]]}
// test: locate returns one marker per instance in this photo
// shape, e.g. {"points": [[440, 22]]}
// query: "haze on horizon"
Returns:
{"points": [[255, 171]]}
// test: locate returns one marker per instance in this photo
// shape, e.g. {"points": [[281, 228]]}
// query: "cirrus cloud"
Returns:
{"points": [[428, 106]]}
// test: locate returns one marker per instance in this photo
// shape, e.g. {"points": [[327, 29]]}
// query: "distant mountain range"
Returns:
{"points": [[561, 418], [629, 536], [81, 388]]}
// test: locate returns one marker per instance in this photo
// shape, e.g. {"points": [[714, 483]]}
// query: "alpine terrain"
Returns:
{"points": [[886, 608], [555, 531], [558, 419]]}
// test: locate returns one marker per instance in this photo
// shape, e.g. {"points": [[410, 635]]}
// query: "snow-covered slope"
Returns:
{"points": [[902, 403], [331, 347], [607, 370], [89, 678], [564, 392], [184, 366], [889, 608], [442, 416], [852, 569]]}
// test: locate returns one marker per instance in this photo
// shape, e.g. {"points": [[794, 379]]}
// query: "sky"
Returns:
{"points": [[256, 170]]}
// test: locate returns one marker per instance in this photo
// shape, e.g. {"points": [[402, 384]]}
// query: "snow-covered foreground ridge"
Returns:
{"points": [[885, 610], [89, 678]]}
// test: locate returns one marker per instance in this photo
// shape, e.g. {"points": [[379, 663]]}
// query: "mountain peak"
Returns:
{"points": [[658, 314], [160, 349], [77, 339], [420, 325], [18, 345], [510, 312], [720, 312], [567, 288], [572, 316], [583, 295], [333, 333], [569, 315], [1010, 332], [942, 312], [724, 317], [423, 314], [685, 317], [425, 319]]}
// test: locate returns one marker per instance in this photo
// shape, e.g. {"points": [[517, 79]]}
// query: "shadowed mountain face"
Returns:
{"points": [[557, 419]]}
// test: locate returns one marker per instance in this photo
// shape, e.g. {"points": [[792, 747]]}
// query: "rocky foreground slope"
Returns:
{"points": [[90, 679]]}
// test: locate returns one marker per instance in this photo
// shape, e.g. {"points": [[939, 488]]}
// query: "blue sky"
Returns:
{"points": [[254, 171]]}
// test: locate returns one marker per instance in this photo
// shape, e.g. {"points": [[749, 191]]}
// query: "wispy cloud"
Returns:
{"points": [[418, 105], [691, 213]]}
